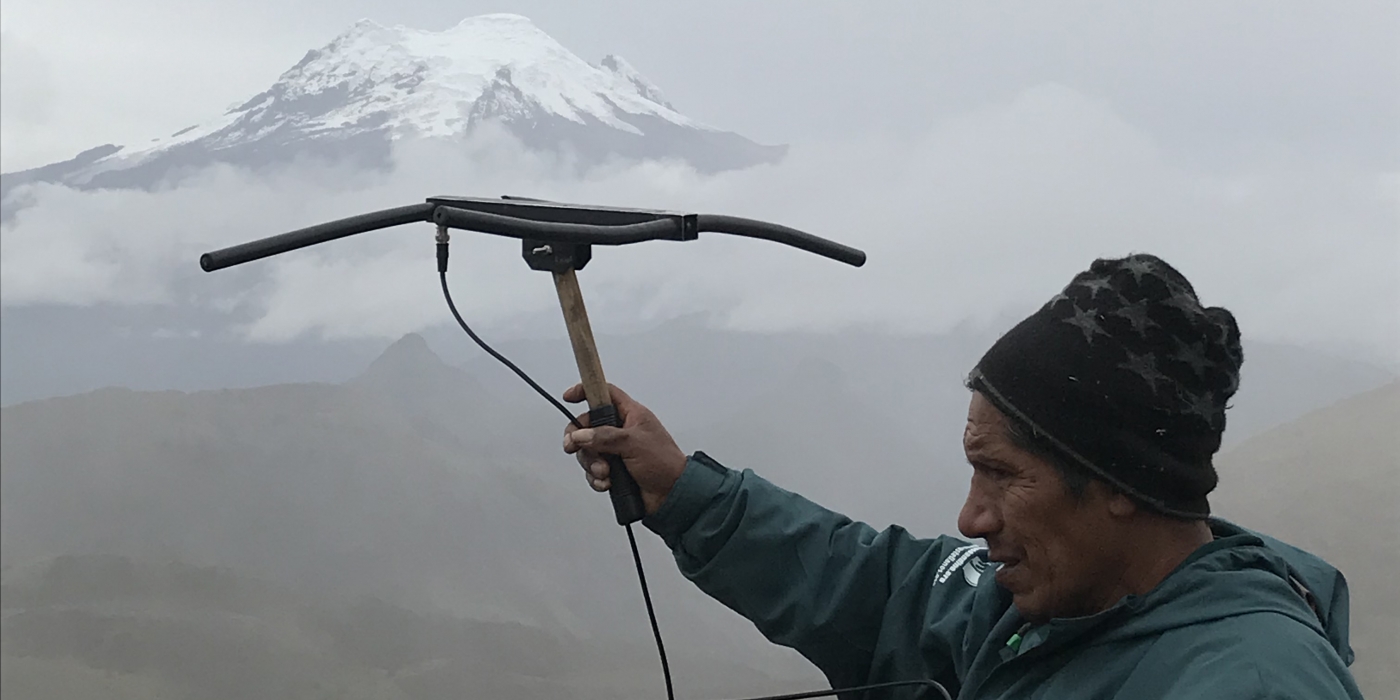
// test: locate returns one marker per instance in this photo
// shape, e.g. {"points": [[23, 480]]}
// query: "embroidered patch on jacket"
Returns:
{"points": [[956, 559], [973, 570]]}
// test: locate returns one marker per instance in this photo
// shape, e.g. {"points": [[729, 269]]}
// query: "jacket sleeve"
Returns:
{"points": [[809, 578]]}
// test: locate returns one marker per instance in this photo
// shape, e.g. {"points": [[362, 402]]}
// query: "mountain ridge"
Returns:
{"points": [[372, 85], [408, 491], [397, 484]]}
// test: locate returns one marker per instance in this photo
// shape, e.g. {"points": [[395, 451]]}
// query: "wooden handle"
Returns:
{"points": [[628, 505], [590, 368]]}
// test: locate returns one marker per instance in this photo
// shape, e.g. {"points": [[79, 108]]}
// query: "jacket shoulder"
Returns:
{"points": [[1260, 655]]}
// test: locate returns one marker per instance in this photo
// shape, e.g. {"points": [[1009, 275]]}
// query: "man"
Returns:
{"points": [[1090, 433]]}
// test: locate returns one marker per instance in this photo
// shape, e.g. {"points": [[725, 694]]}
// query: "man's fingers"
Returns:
{"points": [[618, 396], [582, 423], [595, 466], [587, 443], [595, 472], [602, 439], [622, 401], [574, 394], [598, 469]]}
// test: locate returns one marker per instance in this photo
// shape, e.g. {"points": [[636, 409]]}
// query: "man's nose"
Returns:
{"points": [[977, 519]]}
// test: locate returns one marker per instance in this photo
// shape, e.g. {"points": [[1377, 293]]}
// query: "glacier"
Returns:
{"points": [[372, 85]]}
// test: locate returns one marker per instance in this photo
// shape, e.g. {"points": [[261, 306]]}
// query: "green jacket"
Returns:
{"points": [[870, 606]]}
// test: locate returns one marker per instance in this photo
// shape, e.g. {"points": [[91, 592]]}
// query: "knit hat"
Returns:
{"points": [[1127, 375]]}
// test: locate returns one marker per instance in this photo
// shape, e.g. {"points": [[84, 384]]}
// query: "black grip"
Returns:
{"points": [[626, 495], [514, 227], [311, 235], [737, 226]]}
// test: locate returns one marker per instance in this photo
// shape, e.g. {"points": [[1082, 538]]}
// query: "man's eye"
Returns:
{"points": [[992, 471]]}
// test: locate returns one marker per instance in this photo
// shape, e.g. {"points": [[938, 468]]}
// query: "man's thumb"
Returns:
{"points": [[604, 438]]}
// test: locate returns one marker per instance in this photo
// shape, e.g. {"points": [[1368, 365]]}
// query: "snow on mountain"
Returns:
{"points": [[624, 70], [422, 83], [374, 84]]}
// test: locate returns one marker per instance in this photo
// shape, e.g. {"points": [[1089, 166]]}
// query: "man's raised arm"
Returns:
{"points": [[839, 592]]}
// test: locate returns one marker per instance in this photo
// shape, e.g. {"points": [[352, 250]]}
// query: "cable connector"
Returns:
{"points": [[442, 238]]}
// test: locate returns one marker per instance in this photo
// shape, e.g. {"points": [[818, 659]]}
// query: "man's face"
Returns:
{"points": [[1058, 552]]}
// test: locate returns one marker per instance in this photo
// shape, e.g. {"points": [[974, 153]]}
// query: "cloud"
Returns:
{"points": [[985, 214]]}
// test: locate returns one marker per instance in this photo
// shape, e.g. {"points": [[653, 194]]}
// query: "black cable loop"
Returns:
{"points": [[632, 538], [859, 689], [502, 358]]}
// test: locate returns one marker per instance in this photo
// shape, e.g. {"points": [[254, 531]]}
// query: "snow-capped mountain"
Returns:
{"points": [[374, 84]]}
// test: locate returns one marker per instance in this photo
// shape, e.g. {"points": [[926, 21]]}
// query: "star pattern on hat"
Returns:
{"points": [[1185, 303], [1202, 405], [1140, 267], [1193, 354], [1096, 285], [1136, 313], [1086, 322], [1222, 334], [1145, 400], [1144, 366], [1176, 286]]}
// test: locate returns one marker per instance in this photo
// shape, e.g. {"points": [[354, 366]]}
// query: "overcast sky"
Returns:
{"points": [[981, 152], [1211, 79]]}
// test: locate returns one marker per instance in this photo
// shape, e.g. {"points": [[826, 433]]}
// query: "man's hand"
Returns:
{"points": [[649, 452]]}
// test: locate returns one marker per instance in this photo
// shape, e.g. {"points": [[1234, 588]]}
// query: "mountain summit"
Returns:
{"points": [[373, 84]]}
